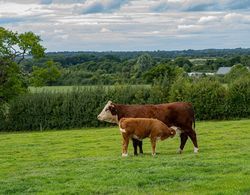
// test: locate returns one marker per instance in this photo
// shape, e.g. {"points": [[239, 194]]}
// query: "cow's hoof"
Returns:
{"points": [[153, 154], [124, 154], [196, 150], [179, 151]]}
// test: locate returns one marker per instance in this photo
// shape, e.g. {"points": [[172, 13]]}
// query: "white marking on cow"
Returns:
{"points": [[136, 137], [177, 130], [158, 138], [196, 150], [122, 130], [106, 115], [124, 154], [179, 151]]}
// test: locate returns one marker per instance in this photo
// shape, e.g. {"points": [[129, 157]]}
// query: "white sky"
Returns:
{"points": [[125, 25]]}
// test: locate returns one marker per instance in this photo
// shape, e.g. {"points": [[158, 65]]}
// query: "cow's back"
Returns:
{"points": [[178, 114]]}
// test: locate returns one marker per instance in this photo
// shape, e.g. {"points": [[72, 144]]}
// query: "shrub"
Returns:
{"points": [[239, 98], [208, 98], [80, 107], [180, 90]]}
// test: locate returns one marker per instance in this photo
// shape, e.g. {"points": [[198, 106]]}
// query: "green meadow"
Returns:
{"points": [[77, 87], [88, 161]]}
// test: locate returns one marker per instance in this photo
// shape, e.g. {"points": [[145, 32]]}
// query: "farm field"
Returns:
{"points": [[71, 88], [88, 161]]}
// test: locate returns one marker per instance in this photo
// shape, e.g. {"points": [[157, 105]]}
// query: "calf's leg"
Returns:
{"points": [[125, 145], [153, 144]]}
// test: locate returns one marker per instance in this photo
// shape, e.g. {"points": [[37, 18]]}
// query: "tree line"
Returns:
{"points": [[90, 69]]}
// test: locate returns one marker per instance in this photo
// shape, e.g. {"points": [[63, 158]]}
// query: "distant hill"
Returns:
{"points": [[161, 54]]}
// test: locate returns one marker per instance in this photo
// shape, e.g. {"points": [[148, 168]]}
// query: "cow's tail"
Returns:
{"points": [[193, 117], [194, 121]]}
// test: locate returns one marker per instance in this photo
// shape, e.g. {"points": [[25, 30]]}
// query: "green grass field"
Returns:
{"points": [[71, 88], [88, 161]]}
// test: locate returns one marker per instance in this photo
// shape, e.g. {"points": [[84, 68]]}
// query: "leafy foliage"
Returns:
{"points": [[12, 80], [144, 62], [237, 71], [14, 45], [239, 98], [79, 108], [45, 75]]}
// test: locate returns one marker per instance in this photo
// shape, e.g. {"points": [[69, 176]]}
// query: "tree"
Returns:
{"points": [[245, 60], [143, 63], [15, 46], [46, 75], [12, 81], [237, 71], [163, 73]]}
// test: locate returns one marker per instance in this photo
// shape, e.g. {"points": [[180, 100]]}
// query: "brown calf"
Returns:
{"points": [[140, 128]]}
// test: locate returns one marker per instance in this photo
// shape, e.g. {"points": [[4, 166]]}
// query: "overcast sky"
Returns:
{"points": [[129, 25]]}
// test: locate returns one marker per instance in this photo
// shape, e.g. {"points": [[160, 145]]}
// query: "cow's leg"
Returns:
{"points": [[153, 144], [184, 138], [135, 144], [140, 146], [125, 146], [192, 136]]}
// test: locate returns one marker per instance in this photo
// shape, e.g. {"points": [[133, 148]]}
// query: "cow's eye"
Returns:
{"points": [[106, 109]]}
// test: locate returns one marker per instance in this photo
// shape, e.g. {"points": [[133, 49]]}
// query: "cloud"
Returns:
{"points": [[236, 5], [105, 30], [46, 1], [208, 19], [197, 5], [130, 24], [237, 18], [99, 6], [6, 20]]}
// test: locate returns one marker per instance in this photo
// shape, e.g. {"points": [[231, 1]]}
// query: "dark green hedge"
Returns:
{"points": [[80, 107]]}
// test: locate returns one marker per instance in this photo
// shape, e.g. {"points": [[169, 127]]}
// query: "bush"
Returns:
{"points": [[180, 90], [209, 98], [239, 98], [79, 108]]}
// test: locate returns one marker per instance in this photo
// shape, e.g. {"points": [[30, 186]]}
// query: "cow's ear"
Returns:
{"points": [[112, 109]]}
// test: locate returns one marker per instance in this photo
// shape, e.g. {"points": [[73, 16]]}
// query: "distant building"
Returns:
{"points": [[223, 70]]}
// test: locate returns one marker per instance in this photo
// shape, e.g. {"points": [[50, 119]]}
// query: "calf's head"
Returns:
{"points": [[109, 113]]}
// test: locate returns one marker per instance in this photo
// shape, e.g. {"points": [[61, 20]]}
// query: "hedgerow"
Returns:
{"points": [[79, 108]]}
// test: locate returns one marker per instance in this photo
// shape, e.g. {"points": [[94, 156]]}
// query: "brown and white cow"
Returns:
{"points": [[178, 114], [140, 128]]}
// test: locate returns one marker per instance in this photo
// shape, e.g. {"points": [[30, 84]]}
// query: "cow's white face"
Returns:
{"points": [[106, 114]]}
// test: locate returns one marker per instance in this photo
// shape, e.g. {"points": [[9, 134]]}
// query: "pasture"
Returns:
{"points": [[77, 87], [89, 161]]}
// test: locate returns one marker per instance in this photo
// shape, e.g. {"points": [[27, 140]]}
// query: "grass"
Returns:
{"points": [[89, 161], [71, 88]]}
